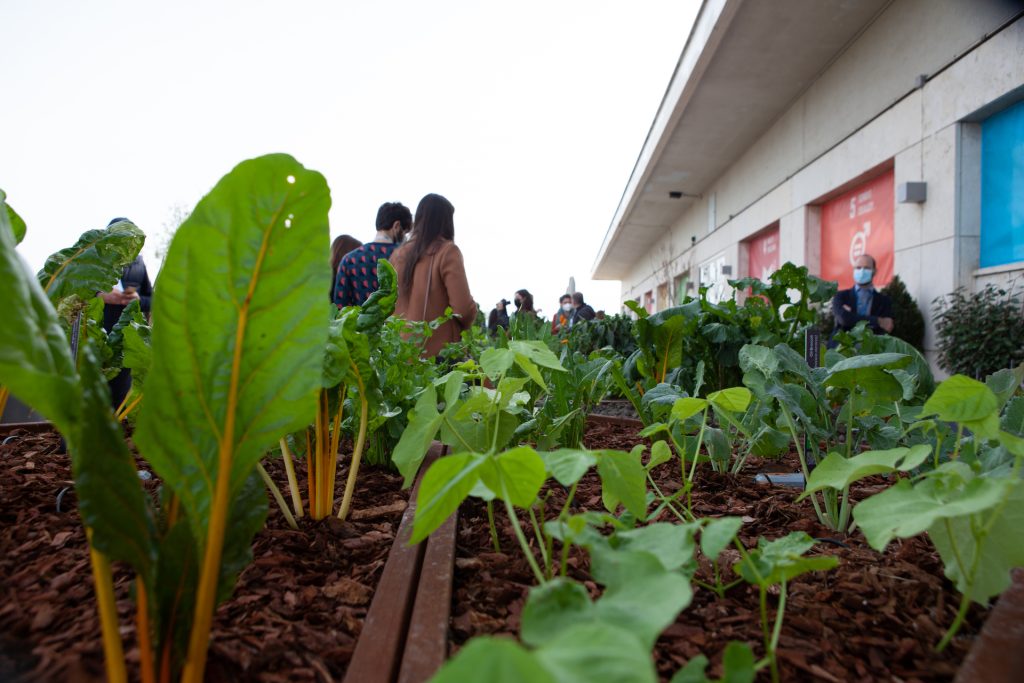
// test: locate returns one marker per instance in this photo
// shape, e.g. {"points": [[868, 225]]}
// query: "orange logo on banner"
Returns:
{"points": [[856, 223], [763, 254]]}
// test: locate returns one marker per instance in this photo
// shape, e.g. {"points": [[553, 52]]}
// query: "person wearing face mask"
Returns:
{"points": [[523, 301], [357, 273], [560, 321], [863, 301]]}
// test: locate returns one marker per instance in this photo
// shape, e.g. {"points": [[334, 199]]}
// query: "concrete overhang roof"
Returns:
{"points": [[744, 63]]}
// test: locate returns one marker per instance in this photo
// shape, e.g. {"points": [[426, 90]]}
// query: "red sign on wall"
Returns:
{"points": [[855, 223], [763, 254]]}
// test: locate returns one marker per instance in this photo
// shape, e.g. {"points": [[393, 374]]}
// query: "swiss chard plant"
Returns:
{"points": [[347, 378], [71, 278], [401, 374], [236, 346]]}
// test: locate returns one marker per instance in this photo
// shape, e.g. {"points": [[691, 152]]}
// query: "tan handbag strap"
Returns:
{"points": [[430, 278]]}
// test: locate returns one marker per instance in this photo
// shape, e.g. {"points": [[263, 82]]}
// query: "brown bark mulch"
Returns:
{"points": [[295, 615], [876, 617]]}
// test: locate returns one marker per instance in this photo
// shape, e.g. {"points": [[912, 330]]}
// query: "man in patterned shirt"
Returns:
{"points": [[357, 274]]}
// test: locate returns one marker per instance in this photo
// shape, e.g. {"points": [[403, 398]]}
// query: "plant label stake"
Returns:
{"points": [[812, 354], [75, 331]]}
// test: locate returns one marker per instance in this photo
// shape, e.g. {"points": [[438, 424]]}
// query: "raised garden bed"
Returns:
{"points": [[873, 618], [299, 609]]}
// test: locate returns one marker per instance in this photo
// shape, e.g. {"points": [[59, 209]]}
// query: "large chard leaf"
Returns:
{"points": [[239, 333], [93, 264], [111, 501], [35, 360], [13, 219]]}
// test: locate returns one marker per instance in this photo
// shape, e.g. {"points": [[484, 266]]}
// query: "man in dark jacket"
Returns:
{"points": [[581, 311], [863, 301], [356, 278], [133, 286]]}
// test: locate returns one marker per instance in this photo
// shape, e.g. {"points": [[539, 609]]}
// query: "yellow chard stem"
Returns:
{"points": [[125, 411], [206, 597], [147, 664], [103, 580], [293, 483], [318, 437], [333, 455], [4, 393], [276, 492], [357, 451], [310, 476]]}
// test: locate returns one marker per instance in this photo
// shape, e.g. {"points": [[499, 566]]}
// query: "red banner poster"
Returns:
{"points": [[763, 254], [859, 222]]}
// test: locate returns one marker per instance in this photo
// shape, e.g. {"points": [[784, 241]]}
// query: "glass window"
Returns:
{"points": [[1002, 187]]}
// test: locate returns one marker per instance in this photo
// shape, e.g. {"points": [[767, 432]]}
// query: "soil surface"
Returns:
{"points": [[615, 408], [296, 611], [876, 617]]}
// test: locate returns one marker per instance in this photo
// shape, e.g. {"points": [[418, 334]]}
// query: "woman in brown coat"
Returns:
{"points": [[431, 274]]}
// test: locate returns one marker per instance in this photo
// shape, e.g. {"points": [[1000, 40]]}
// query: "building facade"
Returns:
{"points": [[813, 131]]}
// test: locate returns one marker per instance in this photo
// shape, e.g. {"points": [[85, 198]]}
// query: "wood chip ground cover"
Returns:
{"points": [[874, 618], [295, 614]]}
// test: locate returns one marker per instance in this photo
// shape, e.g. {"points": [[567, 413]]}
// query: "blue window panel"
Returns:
{"points": [[1002, 187]]}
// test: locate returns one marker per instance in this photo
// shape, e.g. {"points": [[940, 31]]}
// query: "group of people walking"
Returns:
{"points": [[431, 274], [571, 310], [429, 266]]}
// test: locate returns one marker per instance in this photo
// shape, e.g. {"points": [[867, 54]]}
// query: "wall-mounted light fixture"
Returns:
{"points": [[678, 194], [726, 270], [912, 193]]}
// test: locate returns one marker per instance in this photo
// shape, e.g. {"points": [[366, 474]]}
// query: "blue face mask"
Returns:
{"points": [[862, 276]]}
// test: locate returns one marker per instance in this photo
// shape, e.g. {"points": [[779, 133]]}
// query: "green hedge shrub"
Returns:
{"points": [[979, 333], [907, 317]]}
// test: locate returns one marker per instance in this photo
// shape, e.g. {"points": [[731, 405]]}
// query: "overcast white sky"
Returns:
{"points": [[528, 116]]}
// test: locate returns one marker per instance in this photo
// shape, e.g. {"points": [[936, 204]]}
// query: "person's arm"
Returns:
{"points": [[846, 315], [883, 313], [453, 274]]}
